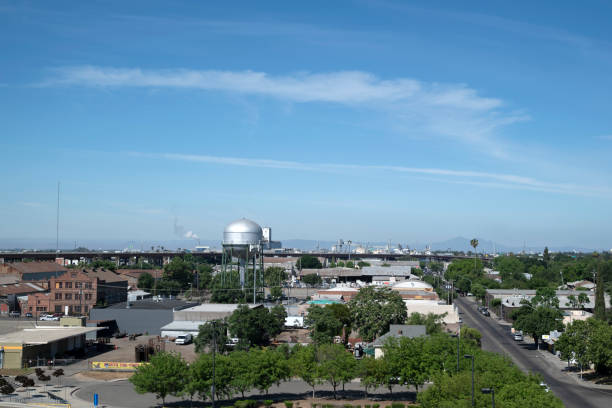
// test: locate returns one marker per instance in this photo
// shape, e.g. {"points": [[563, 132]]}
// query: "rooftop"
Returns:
{"points": [[218, 307], [185, 325], [151, 304], [45, 335], [36, 267], [401, 330]]}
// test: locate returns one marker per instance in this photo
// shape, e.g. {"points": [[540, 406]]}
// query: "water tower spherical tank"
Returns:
{"points": [[242, 232]]}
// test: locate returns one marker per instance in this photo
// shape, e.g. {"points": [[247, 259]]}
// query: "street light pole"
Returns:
{"points": [[472, 357], [212, 393], [492, 392]]}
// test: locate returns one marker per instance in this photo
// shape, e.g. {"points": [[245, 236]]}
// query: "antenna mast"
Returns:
{"points": [[57, 219]]}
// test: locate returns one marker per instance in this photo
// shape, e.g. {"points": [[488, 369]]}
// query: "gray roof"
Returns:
{"points": [[401, 330], [183, 325]]}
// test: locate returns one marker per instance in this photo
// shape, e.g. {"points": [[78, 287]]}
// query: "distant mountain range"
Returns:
{"points": [[454, 244]]}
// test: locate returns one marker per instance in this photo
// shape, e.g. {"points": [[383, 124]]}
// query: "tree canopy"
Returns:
{"points": [[308, 262], [374, 309]]}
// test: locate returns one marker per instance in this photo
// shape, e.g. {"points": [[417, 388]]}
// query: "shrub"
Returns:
{"points": [[376, 406], [268, 403], [367, 406], [21, 379], [7, 389], [248, 403], [288, 404], [397, 405]]}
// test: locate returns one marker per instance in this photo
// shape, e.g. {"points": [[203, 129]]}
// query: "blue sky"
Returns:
{"points": [[362, 120]]}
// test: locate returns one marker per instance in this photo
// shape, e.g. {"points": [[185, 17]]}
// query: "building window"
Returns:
{"points": [[58, 285], [58, 308], [88, 296], [77, 296], [85, 308], [78, 285], [68, 285], [87, 285], [68, 296], [77, 309], [58, 296]]}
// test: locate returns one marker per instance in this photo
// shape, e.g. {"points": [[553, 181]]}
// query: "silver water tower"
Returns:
{"points": [[242, 242]]}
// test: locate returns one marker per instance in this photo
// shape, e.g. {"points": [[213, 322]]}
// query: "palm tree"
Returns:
{"points": [[474, 244]]}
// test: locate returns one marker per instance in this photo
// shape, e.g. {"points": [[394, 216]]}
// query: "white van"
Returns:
{"points": [[183, 339]]}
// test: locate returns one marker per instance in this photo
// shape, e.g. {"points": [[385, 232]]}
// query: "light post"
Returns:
{"points": [[212, 393], [492, 392], [472, 357], [457, 336], [349, 249]]}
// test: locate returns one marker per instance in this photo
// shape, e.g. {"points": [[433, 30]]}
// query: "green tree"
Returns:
{"points": [[573, 343], [242, 368], [104, 264], [304, 365], [350, 264], [342, 313], [145, 281], [336, 364], [323, 324], [363, 264], [274, 276], [212, 332], [375, 309], [369, 373], [180, 271], [308, 262], [311, 279], [205, 276], [276, 293], [269, 367], [255, 326], [163, 376], [540, 316], [577, 302], [433, 323], [474, 244], [600, 304]]}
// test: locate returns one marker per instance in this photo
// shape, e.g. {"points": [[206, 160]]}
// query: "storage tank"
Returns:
{"points": [[242, 232]]}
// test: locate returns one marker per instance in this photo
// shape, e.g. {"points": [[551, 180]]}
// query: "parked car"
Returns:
{"points": [[545, 386], [28, 315], [486, 312], [518, 336], [183, 339], [49, 318], [15, 313]]}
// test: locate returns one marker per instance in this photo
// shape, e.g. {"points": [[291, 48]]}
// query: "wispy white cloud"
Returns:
{"points": [[453, 111], [477, 178], [606, 137]]}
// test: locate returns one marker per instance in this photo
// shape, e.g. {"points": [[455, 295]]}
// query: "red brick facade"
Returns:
{"points": [[79, 290]]}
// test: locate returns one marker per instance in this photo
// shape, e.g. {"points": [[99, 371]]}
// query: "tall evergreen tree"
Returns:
{"points": [[600, 303]]}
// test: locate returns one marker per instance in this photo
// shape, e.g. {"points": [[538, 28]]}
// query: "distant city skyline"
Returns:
{"points": [[362, 120]]}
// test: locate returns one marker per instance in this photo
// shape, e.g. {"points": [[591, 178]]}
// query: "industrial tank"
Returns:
{"points": [[242, 232]]}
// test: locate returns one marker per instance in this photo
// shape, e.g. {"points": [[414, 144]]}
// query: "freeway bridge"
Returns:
{"points": [[160, 257]]}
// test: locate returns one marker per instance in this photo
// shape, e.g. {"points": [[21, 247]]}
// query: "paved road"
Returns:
{"points": [[497, 338]]}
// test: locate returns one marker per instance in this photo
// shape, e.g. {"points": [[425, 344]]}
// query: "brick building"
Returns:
{"points": [[78, 290], [39, 272]]}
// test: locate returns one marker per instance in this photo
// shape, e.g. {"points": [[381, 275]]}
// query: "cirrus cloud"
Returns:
{"points": [[453, 111]]}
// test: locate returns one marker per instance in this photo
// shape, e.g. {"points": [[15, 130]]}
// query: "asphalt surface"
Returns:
{"points": [[497, 338]]}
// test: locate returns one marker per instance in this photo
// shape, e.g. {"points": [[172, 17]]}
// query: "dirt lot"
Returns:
{"points": [[124, 350]]}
